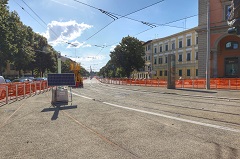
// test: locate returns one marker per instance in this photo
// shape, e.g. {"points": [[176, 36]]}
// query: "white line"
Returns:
{"points": [[175, 118], [82, 96], [166, 116]]}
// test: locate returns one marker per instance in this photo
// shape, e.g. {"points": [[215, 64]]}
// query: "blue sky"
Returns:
{"points": [[71, 21]]}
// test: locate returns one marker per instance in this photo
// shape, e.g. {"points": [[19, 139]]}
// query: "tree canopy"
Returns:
{"points": [[21, 46], [125, 58]]}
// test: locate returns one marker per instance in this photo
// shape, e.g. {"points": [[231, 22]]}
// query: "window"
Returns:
{"points": [[146, 58], [231, 45], [149, 47], [180, 43], [189, 41], [196, 72], [196, 56], [155, 60], [165, 73], [149, 58], [189, 56], [188, 72], [155, 50], [166, 59], [173, 45], [160, 60], [196, 40], [160, 72], [180, 72], [180, 57], [161, 48], [166, 47], [226, 12]]}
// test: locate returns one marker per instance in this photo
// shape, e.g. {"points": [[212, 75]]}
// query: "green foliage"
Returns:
{"points": [[126, 57], [21, 46]]}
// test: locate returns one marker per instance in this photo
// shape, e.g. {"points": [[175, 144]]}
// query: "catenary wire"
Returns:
{"points": [[115, 14], [165, 24]]}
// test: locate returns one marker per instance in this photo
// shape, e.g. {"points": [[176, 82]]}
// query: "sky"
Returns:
{"points": [[95, 27]]}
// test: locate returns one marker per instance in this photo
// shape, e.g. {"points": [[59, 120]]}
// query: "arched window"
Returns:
{"points": [[231, 45]]}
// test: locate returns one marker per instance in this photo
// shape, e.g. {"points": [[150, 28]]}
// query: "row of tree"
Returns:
{"points": [[124, 59], [24, 48], [21, 46]]}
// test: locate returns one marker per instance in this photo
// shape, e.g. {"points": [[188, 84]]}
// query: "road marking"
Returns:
{"points": [[167, 116], [175, 118], [82, 96]]}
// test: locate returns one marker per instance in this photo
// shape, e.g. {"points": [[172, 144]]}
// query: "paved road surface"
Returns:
{"points": [[115, 121]]}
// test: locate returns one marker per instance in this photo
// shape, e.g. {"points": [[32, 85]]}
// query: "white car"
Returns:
{"points": [[2, 88]]}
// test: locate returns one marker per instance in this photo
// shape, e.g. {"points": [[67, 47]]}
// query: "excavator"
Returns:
{"points": [[75, 67]]}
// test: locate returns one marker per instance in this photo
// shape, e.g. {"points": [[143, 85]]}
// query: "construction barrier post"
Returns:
{"points": [[229, 84], [216, 84], [35, 88], [24, 90], [7, 94], [16, 92]]}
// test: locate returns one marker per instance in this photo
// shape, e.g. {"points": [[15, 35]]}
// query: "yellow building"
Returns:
{"points": [[183, 44]]}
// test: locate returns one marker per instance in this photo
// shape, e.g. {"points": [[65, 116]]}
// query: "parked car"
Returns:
{"points": [[2, 80], [8, 81], [2, 88], [40, 79], [22, 80]]}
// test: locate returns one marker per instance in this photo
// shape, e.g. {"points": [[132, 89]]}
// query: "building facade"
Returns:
{"points": [[224, 48], [183, 45]]}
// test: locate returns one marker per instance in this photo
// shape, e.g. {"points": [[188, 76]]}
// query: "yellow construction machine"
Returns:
{"points": [[75, 67]]}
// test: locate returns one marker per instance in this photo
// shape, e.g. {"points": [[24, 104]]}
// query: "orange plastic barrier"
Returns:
{"points": [[16, 89], [215, 83]]}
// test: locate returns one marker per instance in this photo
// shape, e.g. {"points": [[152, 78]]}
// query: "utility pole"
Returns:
{"points": [[208, 47]]}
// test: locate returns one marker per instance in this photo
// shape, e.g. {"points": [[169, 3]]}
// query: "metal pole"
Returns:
{"points": [[208, 48], [59, 63]]}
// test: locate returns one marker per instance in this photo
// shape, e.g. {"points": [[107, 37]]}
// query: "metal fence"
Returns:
{"points": [[215, 83]]}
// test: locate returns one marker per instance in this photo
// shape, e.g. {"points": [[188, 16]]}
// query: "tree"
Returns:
{"points": [[24, 54], [127, 56], [45, 55], [6, 41]]}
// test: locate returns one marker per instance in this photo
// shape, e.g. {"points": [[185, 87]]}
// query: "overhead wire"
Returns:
{"points": [[152, 25], [28, 13], [42, 22], [115, 17], [166, 24]]}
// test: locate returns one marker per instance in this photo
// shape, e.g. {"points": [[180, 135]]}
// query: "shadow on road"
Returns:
{"points": [[56, 108], [194, 90]]}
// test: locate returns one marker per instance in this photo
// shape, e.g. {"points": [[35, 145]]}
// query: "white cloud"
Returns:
{"points": [[77, 44], [64, 4], [112, 47], [58, 32]]}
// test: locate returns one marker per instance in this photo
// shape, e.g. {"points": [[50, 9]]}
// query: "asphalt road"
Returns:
{"points": [[115, 121]]}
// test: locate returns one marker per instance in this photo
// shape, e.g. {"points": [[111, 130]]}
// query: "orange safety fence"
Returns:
{"points": [[14, 90], [215, 83]]}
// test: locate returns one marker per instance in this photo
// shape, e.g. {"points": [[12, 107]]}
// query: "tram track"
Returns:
{"points": [[186, 98], [94, 132], [200, 113]]}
